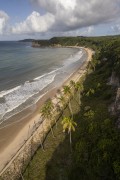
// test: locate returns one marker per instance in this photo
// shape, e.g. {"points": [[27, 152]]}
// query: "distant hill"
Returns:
{"points": [[26, 40], [92, 42]]}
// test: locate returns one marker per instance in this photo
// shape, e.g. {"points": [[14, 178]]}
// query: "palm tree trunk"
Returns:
{"points": [[70, 141], [21, 175], [79, 97], [31, 148], [51, 129], [70, 109], [43, 129], [41, 145], [56, 123]]}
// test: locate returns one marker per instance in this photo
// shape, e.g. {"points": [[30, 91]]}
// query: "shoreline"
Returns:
{"points": [[26, 126], [15, 116]]}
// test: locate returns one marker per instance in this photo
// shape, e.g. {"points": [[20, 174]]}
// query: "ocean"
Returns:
{"points": [[26, 73]]}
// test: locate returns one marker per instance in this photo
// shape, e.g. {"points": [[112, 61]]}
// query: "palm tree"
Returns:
{"points": [[56, 98], [89, 114], [94, 63], [67, 92], [72, 84], [51, 107], [58, 91], [78, 88], [58, 109], [41, 143], [31, 147], [69, 125], [62, 100], [46, 112], [43, 127], [90, 92]]}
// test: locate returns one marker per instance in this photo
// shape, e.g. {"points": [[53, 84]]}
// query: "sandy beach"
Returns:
{"points": [[14, 134]]}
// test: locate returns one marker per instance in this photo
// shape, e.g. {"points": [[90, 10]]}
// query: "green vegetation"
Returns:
{"points": [[52, 163], [69, 125], [46, 112], [26, 40], [96, 142], [93, 42], [67, 93]]}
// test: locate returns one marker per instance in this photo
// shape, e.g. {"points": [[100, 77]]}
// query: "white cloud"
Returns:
{"points": [[63, 16], [67, 4], [35, 23], [116, 28], [88, 31], [79, 32], [75, 14], [3, 21]]}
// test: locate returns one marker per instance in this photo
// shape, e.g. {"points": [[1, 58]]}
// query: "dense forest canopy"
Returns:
{"points": [[79, 40]]}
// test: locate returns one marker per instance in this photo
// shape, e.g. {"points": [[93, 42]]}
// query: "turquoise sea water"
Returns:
{"points": [[25, 72]]}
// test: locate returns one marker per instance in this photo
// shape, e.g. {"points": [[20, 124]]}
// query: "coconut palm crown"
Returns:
{"points": [[66, 90], [69, 125]]}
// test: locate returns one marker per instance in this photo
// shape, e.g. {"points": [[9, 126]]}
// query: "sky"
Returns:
{"points": [[43, 19]]}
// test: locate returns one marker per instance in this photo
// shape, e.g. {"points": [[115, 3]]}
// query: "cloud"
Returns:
{"points": [[75, 14], [35, 23], [88, 31], [53, 6], [63, 16], [79, 32], [3, 21], [116, 28]]}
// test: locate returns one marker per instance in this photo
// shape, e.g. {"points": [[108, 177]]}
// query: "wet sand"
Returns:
{"points": [[14, 134]]}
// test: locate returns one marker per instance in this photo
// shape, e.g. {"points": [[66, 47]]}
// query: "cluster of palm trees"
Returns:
{"points": [[64, 99], [49, 110], [47, 113]]}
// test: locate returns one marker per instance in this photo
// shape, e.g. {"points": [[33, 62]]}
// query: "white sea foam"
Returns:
{"points": [[15, 97], [28, 46], [20, 95], [28, 106], [3, 93], [74, 58], [39, 77]]}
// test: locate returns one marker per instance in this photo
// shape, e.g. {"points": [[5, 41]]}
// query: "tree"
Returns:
{"points": [[58, 109], [93, 63], [69, 125], [90, 92], [62, 100], [51, 107], [41, 143], [46, 112], [72, 84], [89, 114], [67, 92], [78, 88]]}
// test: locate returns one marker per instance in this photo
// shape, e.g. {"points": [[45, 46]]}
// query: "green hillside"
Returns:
{"points": [[95, 151]]}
